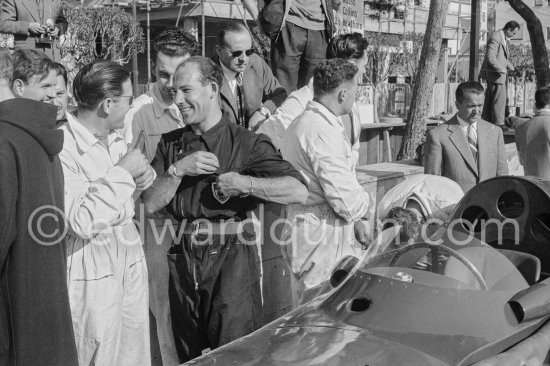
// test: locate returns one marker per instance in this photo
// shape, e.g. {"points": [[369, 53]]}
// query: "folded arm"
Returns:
{"points": [[92, 206]]}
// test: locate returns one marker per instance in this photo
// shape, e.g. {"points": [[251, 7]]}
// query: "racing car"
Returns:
{"points": [[477, 287]]}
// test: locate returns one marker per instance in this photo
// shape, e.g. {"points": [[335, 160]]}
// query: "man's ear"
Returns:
{"points": [[18, 87], [215, 89], [218, 50], [106, 107], [342, 95]]}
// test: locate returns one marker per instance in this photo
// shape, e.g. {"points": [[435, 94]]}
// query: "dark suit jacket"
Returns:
{"points": [[448, 154], [15, 16], [533, 143], [495, 64], [261, 88]]}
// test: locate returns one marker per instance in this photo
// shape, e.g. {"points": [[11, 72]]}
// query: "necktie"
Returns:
{"points": [[472, 141], [240, 100]]}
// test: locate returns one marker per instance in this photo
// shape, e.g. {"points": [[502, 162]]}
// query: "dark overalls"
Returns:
{"points": [[214, 284]]}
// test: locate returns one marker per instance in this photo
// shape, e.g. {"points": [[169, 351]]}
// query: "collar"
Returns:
{"points": [[158, 102], [543, 112], [212, 136], [229, 74], [83, 137], [465, 124], [506, 39], [329, 116]]}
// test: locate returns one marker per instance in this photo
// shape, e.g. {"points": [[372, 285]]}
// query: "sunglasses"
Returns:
{"points": [[236, 54]]}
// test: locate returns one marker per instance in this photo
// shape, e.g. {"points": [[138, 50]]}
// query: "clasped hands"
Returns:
{"points": [[139, 168], [229, 184]]}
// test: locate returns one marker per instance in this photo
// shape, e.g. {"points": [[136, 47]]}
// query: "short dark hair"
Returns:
{"points": [[227, 27], [468, 87], [210, 71], [61, 71], [98, 80], [174, 42], [542, 97], [6, 66], [330, 74], [511, 25], [28, 63], [348, 46], [411, 228]]}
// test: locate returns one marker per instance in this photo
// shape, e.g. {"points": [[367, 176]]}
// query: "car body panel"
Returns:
{"points": [[391, 311]]}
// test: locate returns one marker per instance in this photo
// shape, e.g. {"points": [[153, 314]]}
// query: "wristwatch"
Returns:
{"points": [[173, 171]]}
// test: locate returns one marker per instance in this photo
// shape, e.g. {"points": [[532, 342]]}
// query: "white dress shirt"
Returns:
{"points": [[231, 77], [464, 126]]}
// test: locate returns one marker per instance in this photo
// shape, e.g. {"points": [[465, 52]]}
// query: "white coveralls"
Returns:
{"points": [[321, 231], [106, 270]]}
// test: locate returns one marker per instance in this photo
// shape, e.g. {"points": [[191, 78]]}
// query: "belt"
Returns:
{"points": [[214, 228]]}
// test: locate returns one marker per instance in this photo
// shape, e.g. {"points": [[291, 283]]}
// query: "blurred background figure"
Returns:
{"points": [[34, 24]]}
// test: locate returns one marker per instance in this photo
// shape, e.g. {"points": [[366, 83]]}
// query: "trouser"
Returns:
{"points": [[155, 248], [108, 293], [494, 105], [295, 53], [214, 293]]}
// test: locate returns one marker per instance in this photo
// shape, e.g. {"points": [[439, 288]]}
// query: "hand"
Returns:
{"points": [[198, 163], [135, 163], [255, 121], [54, 32], [362, 233], [233, 184], [145, 180], [511, 67], [36, 28]]}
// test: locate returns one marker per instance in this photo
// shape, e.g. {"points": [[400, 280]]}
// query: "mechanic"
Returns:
{"points": [[321, 231], [211, 174]]}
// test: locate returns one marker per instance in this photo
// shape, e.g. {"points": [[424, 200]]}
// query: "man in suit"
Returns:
{"points": [[494, 69], [466, 148], [33, 21], [533, 138], [250, 93]]}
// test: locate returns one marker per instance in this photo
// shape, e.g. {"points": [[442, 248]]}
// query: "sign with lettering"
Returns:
{"points": [[349, 18]]}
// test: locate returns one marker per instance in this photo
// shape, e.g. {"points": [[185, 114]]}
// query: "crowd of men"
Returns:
{"points": [[201, 150]]}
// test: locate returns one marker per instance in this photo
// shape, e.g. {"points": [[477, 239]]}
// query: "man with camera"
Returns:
{"points": [[34, 24]]}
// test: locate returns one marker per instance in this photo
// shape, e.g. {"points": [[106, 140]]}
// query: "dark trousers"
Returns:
{"points": [[494, 106], [295, 54], [214, 292]]}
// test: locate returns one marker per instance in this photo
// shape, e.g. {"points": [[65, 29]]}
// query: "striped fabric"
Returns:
{"points": [[472, 141], [240, 100]]}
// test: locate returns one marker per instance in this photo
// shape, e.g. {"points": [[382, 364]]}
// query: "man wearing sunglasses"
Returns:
{"points": [[250, 93]]}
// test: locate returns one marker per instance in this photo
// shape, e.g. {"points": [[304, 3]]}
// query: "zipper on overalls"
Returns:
{"points": [[194, 264]]}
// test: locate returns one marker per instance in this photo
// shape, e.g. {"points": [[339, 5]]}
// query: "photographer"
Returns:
{"points": [[34, 25]]}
